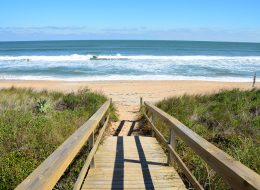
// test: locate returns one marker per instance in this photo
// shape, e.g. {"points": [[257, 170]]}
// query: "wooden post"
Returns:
{"points": [[47, 174], [141, 103], [153, 121], [91, 142], [254, 80], [232, 171], [172, 142], [102, 121]]}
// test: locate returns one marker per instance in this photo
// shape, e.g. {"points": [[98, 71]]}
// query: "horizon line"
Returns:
{"points": [[128, 40]]}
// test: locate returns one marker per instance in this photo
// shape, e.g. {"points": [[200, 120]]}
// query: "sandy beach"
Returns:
{"points": [[129, 95], [126, 94]]}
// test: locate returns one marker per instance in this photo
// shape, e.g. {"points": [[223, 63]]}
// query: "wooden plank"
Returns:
{"points": [[135, 185], [48, 173], [161, 137], [174, 154], [172, 143], [115, 168], [184, 168], [234, 172], [90, 157], [141, 103]]}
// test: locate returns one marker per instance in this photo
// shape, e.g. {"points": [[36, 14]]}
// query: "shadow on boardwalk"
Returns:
{"points": [[118, 174], [121, 125]]}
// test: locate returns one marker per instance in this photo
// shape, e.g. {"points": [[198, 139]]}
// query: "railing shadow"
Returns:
{"points": [[148, 182], [118, 173], [121, 125], [131, 130], [119, 128]]}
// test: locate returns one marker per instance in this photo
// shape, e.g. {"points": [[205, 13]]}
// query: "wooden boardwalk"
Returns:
{"points": [[131, 162], [136, 162]]}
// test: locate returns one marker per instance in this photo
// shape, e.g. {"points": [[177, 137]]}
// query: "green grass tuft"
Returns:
{"points": [[28, 137], [229, 119]]}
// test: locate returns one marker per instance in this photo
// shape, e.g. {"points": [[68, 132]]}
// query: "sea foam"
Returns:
{"points": [[125, 77], [126, 67], [77, 57]]}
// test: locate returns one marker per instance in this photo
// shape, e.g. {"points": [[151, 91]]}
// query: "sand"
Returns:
{"points": [[126, 94]]}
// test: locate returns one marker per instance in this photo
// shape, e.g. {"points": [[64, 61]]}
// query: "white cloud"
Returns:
{"points": [[77, 33]]}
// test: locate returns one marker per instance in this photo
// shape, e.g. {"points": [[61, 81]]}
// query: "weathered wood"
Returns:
{"points": [[131, 162], [172, 143], [153, 122], [184, 168], [91, 141], [161, 137], [90, 157], [254, 79], [141, 103], [234, 172], [175, 156], [48, 173]]}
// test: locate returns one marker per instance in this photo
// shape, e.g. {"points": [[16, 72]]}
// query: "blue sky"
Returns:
{"points": [[219, 20]]}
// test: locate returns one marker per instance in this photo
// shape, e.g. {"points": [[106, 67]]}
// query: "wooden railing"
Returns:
{"points": [[49, 172], [232, 171]]}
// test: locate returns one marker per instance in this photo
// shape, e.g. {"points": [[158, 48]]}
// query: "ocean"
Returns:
{"points": [[129, 60]]}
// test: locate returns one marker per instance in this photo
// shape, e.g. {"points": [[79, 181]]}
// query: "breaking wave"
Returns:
{"points": [[77, 57]]}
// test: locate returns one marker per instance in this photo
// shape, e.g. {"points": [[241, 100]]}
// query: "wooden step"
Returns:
{"points": [[131, 162]]}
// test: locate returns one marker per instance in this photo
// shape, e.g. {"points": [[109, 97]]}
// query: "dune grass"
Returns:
{"points": [[229, 119], [33, 124]]}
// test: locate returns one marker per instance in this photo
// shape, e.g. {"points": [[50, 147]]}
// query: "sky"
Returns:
{"points": [[199, 20]]}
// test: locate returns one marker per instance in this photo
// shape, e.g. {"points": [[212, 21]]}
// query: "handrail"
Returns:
{"points": [[180, 163], [49, 172], [234, 172], [90, 157]]}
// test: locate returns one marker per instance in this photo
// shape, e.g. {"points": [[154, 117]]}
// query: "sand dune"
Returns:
{"points": [[126, 94]]}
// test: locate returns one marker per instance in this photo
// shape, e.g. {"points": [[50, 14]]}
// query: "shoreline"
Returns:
{"points": [[134, 78], [127, 80], [126, 94]]}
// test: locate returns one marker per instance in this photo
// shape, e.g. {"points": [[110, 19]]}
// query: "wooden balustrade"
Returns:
{"points": [[234, 172], [49, 172]]}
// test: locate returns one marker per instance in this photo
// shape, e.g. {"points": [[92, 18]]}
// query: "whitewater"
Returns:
{"points": [[129, 60]]}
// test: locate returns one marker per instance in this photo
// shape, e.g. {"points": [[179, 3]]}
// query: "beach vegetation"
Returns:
{"points": [[41, 106], [229, 119], [34, 123]]}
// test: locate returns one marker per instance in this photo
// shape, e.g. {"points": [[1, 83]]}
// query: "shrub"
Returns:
{"points": [[41, 106], [71, 100], [27, 139], [228, 119]]}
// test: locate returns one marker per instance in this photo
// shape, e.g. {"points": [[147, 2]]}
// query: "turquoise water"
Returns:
{"points": [[122, 60]]}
